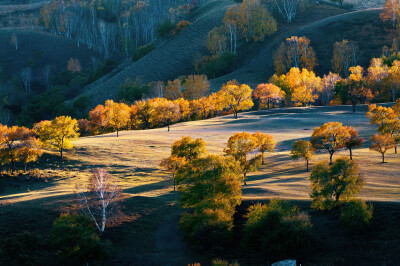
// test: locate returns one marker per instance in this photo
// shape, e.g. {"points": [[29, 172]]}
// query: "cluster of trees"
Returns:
{"points": [[112, 26], [388, 122], [294, 63]]}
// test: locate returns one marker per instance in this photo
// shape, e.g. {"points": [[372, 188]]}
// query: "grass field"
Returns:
{"points": [[148, 234]]}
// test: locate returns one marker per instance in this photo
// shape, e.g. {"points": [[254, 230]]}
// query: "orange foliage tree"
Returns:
{"points": [[330, 136], [117, 114], [391, 11], [269, 93], [382, 143], [304, 86], [354, 141], [167, 112], [265, 143]]}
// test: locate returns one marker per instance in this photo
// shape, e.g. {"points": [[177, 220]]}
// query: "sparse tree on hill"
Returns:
{"points": [[344, 57], [391, 11], [330, 136], [294, 52], [235, 98], [265, 143], [14, 41], [74, 65], [59, 133], [117, 114], [382, 143], [100, 201], [231, 21], [173, 164], [287, 8], [302, 149], [216, 41], [334, 184], [354, 141], [25, 77], [239, 146], [328, 87]]}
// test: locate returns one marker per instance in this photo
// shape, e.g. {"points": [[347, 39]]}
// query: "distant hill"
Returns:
{"points": [[37, 50]]}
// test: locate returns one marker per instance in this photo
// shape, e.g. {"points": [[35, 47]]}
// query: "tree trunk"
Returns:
{"points": [[354, 108], [245, 179], [331, 153], [395, 149], [351, 154], [168, 126], [307, 165], [262, 158], [117, 132], [61, 154], [383, 157], [173, 176], [235, 115]]}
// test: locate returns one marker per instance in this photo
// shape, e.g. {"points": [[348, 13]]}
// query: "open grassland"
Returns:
{"points": [[135, 155], [148, 234]]}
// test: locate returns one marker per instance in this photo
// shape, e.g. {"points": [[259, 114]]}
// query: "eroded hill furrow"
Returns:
{"points": [[170, 60]]}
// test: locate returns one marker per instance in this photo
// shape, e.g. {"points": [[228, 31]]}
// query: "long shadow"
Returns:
{"points": [[149, 187]]}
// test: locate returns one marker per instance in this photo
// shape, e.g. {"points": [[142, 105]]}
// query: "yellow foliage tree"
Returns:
{"points": [[234, 97], [167, 112], [173, 90], [173, 164], [117, 114], [58, 133], [265, 143], [302, 149], [304, 86], [382, 143], [196, 87]]}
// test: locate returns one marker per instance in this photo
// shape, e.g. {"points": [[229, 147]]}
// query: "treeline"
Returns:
{"points": [[113, 26]]}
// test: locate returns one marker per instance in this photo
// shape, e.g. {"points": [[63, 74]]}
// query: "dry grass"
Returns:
{"points": [[135, 156]]}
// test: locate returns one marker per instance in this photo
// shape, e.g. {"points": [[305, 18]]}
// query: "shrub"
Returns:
{"points": [[181, 26], [23, 249], [165, 28], [142, 51], [76, 239], [356, 214], [277, 229]]}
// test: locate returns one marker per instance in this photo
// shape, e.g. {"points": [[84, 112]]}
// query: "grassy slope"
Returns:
{"points": [[43, 48], [364, 27], [171, 59]]}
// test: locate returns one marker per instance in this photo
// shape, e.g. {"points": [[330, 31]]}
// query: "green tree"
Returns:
{"points": [[188, 148], [58, 133], [302, 149], [334, 184]]}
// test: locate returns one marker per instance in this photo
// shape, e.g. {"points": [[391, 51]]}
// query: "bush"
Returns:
{"points": [[209, 229], [356, 214], [142, 51], [76, 239], [277, 229], [23, 249], [181, 26], [165, 28]]}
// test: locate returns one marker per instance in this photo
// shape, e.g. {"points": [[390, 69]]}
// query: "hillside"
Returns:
{"points": [[363, 27], [171, 59], [40, 49]]}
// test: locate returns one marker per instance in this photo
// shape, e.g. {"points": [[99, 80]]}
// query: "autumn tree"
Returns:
{"points": [[100, 199], [167, 112], [334, 184], [204, 106], [354, 141], [353, 89], [330, 136], [394, 78], [117, 114], [188, 148], [391, 11], [344, 57], [211, 186], [145, 112], [173, 90], [239, 146], [265, 143], [184, 107], [304, 86], [381, 143], [74, 65], [377, 71], [269, 94], [234, 97], [31, 150], [58, 133], [294, 52], [302, 149], [231, 21], [98, 117], [387, 120], [328, 87], [196, 87], [287, 8], [173, 164], [217, 41]]}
